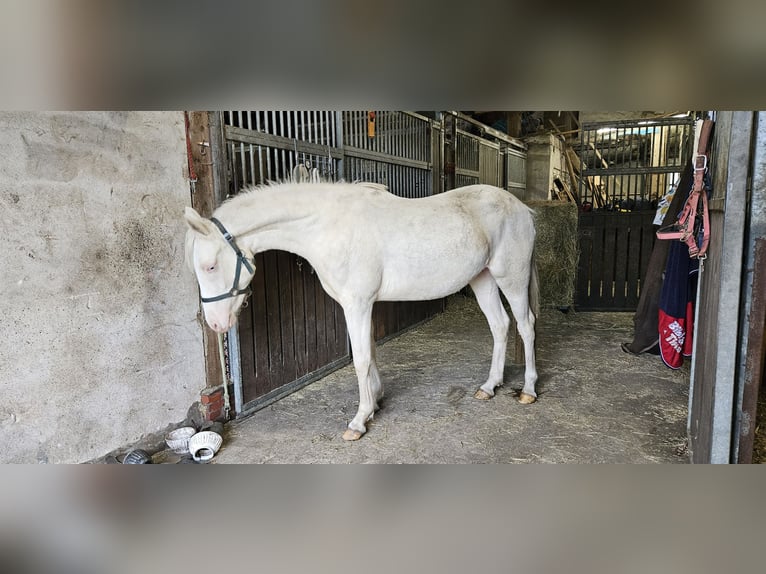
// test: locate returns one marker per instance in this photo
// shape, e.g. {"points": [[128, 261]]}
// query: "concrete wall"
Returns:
{"points": [[99, 338], [545, 162]]}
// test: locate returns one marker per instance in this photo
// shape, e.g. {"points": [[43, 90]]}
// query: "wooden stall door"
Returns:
{"points": [[291, 331], [614, 255]]}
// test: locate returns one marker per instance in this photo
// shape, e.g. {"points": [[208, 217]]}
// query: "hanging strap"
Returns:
{"points": [[685, 229]]}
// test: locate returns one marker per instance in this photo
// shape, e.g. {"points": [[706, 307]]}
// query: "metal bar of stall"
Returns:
{"points": [[391, 130], [267, 175], [397, 134], [339, 166], [407, 150], [260, 150], [292, 127], [399, 128], [359, 129], [253, 173], [242, 154], [414, 146], [386, 142], [282, 154]]}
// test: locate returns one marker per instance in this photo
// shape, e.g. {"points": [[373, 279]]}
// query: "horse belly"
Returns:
{"points": [[419, 273], [429, 248]]}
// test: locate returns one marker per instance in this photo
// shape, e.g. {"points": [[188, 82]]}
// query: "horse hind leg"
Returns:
{"points": [[488, 296], [518, 298]]}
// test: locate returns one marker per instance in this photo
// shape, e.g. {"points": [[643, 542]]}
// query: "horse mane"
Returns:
{"points": [[253, 189]]}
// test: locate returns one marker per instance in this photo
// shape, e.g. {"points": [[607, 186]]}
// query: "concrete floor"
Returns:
{"points": [[595, 404]]}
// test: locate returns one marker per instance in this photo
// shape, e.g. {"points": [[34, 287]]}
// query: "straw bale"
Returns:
{"points": [[556, 251]]}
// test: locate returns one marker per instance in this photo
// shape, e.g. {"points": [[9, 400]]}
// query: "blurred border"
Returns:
{"points": [[89, 54], [114, 519]]}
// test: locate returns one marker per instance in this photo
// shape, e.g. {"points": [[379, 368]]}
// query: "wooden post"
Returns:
{"points": [[755, 359], [514, 124], [205, 199]]}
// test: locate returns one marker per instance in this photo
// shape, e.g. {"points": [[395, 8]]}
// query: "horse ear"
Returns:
{"points": [[196, 222]]}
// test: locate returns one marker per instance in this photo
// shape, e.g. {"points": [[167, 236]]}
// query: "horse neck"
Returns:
{"points": [[282, 217]]}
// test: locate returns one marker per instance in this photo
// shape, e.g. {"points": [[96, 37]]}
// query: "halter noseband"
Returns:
{"points": [[241, 260]]}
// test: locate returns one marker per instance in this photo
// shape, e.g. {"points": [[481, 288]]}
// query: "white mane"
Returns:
{"points": [[288, 183]]}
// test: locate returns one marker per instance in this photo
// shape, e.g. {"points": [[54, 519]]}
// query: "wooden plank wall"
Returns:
{"points": [[614, 254], [390, 318], [713, 405]]}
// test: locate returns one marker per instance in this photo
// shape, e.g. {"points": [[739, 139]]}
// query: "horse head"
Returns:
{"points": [[222, 268]]}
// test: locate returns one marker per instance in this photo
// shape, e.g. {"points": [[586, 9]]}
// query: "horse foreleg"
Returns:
{"points": [[488, 296], [359, 323]]}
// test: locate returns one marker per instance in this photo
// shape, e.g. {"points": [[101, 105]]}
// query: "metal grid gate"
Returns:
{"points": [[515, 159], [477, 160], [400, 154], [487, 156], [627, 167], [266, 145], [292, 332], [630, 165]]}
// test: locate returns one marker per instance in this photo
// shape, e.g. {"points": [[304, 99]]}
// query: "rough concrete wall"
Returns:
{"points": [[100, 342], [545, 162]]}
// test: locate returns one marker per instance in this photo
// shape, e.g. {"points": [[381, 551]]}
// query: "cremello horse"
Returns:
{"points": [[368, 245]]}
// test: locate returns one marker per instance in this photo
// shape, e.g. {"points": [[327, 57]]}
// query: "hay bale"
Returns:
{"points": [[556, 251]]}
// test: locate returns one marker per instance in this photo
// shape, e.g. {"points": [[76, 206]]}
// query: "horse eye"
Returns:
{"points": [[210, 268]]}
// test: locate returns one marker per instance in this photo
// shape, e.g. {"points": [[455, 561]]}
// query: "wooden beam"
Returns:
{"points": [[755, 359], [514, 124], [565, 191], [574, 120], [204, 200], [599, 157]]}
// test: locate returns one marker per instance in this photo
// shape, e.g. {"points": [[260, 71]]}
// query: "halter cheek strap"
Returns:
{"points": [[241, 260]]}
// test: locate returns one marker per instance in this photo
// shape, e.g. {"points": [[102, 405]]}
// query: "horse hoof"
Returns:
{"points": [[482, 395], [526, 399], [352, 434]]}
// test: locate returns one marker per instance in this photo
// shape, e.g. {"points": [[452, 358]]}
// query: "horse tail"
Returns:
{"points": [[534, 287]]}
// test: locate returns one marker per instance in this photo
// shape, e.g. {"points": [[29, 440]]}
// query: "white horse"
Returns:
{"points": [[368, 245]]}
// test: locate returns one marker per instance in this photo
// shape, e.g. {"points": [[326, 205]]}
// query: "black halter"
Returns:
{"points": [[241, 260]]}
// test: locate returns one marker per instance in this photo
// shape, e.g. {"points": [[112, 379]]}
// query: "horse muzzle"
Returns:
{"points": [[221, 317]]}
